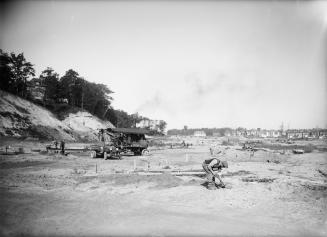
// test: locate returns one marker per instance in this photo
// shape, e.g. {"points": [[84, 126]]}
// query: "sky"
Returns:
{"points": [[197, 63]]}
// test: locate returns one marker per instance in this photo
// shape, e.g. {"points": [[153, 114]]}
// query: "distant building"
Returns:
{"points": [[263, 133], [306, 133], [252, 133], [296, 134], [200, 133], [277, 133], [269, 133], [240, 133], [322, 133], [149, 124], [318, 133]]}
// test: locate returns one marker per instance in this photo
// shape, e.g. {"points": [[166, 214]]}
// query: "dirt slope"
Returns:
{"points": [[21, 118], [86, 124]]}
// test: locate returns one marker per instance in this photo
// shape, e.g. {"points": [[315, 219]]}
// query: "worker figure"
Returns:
{"points": [[101, 135], [62, 147], [213, 167], [56, 144], [211, 151]]}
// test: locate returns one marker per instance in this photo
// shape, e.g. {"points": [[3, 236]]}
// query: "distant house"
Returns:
{"points": [[269, 133], [263, 133], [305, 133], [289, 134], [149, 124], [296, 134], [200, 133], [322, 133], [240, 133], [252, 133], [318, 133]]}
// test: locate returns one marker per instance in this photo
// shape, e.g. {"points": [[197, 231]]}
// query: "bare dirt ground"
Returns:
{"points": [[267, 194]]}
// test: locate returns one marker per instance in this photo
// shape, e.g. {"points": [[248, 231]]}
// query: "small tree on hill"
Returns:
{"points": [[162, 126], [67, 86], [50, 79]]}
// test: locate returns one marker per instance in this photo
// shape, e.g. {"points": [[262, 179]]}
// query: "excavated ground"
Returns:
{"points": [[267, 193]]}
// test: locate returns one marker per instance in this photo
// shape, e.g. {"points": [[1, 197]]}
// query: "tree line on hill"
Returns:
{"points": [[69, 93]]}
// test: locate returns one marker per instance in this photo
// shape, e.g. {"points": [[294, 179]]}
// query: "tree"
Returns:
{"points": [[50, 80], [97, 99], [21, 71], [162, 126], [94, 98], [124, 120], [111, 116], [6, 80], [15, 71], [67, 86]]}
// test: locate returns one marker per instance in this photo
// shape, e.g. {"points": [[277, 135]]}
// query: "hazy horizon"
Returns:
{"points": [[196, 63]]}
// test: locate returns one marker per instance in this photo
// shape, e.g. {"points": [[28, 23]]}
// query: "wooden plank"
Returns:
{"points": [[200, 174]]}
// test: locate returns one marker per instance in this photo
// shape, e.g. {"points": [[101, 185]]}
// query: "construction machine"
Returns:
{"points": [[117, 141]]}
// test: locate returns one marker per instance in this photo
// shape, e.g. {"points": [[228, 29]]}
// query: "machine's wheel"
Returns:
{"points": [[105, 156], [145, 152], [93, 154]]}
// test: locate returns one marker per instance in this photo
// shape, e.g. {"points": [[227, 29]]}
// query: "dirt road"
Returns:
{"points": [[266, 194]]}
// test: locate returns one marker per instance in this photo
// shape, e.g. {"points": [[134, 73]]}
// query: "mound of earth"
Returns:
{"points": [[22, 118], [86, 124]]}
